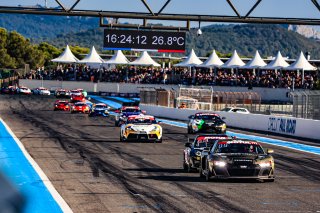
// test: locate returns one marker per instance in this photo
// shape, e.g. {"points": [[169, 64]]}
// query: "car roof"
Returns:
{"points": [[207, 113], [238, 141], [133, 117]]}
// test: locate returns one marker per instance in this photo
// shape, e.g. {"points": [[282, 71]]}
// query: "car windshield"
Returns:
{"points": [[247, 148], [207, 117], [141, 121], [80, 104], [204, 142], [226, 109], [131, 110], [100, 107]]}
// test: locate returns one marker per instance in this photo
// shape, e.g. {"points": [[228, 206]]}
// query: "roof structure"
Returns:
{"points": [[278, 63], [191, 61], [233, 62], [118, 58], [92, 58], [66, 57], [255, 62], [212, 61], [301, 64], [144, 60]]}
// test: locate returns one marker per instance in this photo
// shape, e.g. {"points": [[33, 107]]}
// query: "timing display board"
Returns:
{"points": [[138, 40]]}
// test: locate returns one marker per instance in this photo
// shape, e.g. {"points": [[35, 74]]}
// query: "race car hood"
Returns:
{"points": [[146, 128]]}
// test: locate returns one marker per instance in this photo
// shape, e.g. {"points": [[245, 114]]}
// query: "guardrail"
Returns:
{"points": [[297, 127]]}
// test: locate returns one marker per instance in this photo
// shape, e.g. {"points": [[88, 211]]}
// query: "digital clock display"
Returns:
{"points": [[144, 40]]}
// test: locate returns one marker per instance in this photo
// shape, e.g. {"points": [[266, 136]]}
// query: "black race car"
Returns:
{"points": [[237, 158], [206, 122], [99, 110], [192, 152]]}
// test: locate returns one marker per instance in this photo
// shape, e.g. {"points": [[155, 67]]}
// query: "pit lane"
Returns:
{"points": [[93, 171]]}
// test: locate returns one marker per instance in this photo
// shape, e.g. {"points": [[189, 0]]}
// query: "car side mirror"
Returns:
{"points": [[270, 151], [187, 144]]}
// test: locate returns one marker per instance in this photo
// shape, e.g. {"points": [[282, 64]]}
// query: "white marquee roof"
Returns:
{"points": [[234, 62], [212, 61], [66, 57], [118, 58], [277, 63], [92, 58], [255, 62], [301, 64], [190, 61], [145, 60]]}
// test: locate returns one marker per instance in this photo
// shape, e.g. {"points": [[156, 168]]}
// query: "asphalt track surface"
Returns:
{"points": [[94, 172]]}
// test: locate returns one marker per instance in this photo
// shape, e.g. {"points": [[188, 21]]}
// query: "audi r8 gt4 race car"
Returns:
{"points": [[237, 158], [77, 98], [80, 107], [24, 91], [62, 93], [125, 112], [141, 128], [206, 122], [99, 110], [192, 152], [61, 105], [41, 91]]}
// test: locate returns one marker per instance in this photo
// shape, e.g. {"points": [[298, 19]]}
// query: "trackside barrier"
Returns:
{"points": [[298, 127], [279, 94]]}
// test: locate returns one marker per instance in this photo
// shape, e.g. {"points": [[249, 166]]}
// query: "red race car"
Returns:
{"points": [[61, 105], [77, 98], [80, 107]]}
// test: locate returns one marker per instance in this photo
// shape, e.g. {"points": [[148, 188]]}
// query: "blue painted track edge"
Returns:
{"points": [[54, 193]]}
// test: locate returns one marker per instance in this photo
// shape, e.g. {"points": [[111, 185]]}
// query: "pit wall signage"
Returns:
{"points": [[282, 125]]}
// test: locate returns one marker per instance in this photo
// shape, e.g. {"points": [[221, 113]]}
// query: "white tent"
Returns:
{"points": [[277, 63], [92, 58], [144, 60], [118, 58], [66, 57], [255, 62], [212, 61], [301, 64], [233, 62], [190, 61]]}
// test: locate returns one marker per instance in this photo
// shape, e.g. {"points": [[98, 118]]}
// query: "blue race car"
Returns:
{"points": [[99, 110]]}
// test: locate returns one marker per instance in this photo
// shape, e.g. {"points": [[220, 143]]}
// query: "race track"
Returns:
{"points": [[94, 172]]}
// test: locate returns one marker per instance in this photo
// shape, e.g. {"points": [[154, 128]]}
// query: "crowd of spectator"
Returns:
{"points": [[142, 75]]}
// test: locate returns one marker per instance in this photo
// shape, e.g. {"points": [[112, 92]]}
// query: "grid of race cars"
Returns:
{"points": [[212, 153]]}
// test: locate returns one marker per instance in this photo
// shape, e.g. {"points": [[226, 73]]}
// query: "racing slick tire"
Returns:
{"points": [[189, 131], [159, 141], [116, 123]]}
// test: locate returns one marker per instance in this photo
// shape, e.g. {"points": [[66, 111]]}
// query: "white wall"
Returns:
{"points": [[266, 93], [299, 127]]}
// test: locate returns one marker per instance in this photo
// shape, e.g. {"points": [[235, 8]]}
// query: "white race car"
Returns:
{"points": [[24, 90], [141, 128]]}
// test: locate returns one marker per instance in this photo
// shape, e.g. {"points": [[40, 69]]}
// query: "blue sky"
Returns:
{"points": [[267, 8]]}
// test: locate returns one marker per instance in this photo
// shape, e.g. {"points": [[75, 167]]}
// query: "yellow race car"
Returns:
{"points": [[141, 128]]}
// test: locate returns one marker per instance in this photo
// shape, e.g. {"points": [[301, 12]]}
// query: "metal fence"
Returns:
{"points": [[154, 96], [306, 104]]}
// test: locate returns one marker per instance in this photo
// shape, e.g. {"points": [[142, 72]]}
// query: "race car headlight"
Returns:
{"points": [[198, 153], [220, 163], [265, 164], [129, 128], [154, 128], [223, 126]]}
